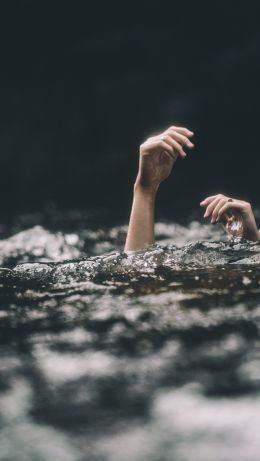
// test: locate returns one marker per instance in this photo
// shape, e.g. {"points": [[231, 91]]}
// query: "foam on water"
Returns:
{"points": [[52, 256], [148, 356]]}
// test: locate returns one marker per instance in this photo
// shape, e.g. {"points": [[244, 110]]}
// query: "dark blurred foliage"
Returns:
{"points": [[83, 83]]}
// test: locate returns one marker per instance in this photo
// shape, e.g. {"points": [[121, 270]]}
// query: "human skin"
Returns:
{"points": [[157, 157], [218, 208]]}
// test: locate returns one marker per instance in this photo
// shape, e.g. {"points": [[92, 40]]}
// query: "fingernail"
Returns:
{"points": [[212, 221], [191, 132], [205, 215]]}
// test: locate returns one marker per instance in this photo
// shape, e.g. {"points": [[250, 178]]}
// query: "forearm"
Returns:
{"points": [[157, 156], [141, 226]]}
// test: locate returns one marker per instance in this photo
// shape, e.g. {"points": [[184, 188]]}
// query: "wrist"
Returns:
{"points": [[149, 191], [252, 234], [251, 229]]}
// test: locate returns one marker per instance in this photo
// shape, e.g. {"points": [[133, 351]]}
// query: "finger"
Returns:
{"points": [[211, 206], [176, 146], [173, 157], [179, 149], [182, 130], [217, 208], [208, 200], [180, 138], [228, 206], [157, 144], [167, 148]]}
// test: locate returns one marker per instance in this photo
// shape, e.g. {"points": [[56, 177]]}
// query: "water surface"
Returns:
{"points": [[149, 356]]}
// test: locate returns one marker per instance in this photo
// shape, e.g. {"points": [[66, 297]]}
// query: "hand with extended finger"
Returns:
{"points": [[158, 155], [236, 216]]}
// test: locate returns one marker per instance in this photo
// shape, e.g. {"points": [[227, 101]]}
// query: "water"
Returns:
{"points": [[154, 356], [233, 224]]}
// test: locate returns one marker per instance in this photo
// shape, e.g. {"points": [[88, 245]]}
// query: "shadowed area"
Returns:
{"points": [[82, 86]]}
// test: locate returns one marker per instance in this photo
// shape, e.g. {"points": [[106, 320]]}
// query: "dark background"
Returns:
{"points": [[83, 83]]}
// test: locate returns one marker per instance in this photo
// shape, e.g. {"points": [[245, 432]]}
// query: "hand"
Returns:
{"points": [[158, 154], [219, 208]]}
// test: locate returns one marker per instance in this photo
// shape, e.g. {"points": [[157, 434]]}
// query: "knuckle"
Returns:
{"points": [[171, 132], [186, 131]]}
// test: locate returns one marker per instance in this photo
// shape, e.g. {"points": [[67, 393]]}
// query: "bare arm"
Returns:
{"points": [[141, 226], [156, 159]]}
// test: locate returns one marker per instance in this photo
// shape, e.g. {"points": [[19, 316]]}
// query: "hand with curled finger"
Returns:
{"points": [[236, 216], [158, 154]]}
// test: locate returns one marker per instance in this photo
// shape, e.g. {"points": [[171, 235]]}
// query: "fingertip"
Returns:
{"points": [[182, 154]]}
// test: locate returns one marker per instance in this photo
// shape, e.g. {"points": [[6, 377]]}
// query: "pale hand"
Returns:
{"points": [[158, 154], [218, 207]]}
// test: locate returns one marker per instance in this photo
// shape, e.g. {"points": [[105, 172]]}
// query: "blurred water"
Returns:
{"points": [[151, 356]]}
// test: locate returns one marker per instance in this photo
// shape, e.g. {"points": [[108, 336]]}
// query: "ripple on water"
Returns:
{"points": [[152, 354]]}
